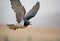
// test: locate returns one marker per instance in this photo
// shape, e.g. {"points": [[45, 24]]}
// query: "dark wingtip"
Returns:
{"points": [[10, 0], [38, 3]]}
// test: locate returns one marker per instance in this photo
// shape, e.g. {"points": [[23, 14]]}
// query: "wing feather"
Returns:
{"points": [[33, 11], [18, 9]]}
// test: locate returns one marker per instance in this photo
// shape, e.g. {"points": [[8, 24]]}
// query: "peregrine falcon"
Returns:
{"points": [[21, 17]]}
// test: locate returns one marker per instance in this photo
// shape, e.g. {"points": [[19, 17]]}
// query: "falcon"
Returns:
{"points": [[21, 17]]}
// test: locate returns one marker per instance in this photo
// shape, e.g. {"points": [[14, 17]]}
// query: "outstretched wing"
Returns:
{"points": [[18, 9], [33, 11]]}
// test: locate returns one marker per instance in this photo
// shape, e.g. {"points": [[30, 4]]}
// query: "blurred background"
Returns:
{"points": [[47, 16]]}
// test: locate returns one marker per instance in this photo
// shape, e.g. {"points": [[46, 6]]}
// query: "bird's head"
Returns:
{"points": [[26, 23]]}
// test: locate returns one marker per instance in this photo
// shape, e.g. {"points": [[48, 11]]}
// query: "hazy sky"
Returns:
{"points": [[48, 14]]}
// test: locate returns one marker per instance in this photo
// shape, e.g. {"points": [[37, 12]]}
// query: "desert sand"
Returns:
{"points": [[29, 34]]}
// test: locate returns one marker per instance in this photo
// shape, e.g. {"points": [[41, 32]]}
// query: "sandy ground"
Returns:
{"points": [[29, 34]]}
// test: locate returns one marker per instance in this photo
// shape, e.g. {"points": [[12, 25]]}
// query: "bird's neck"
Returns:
{"points": [[20, 24]]}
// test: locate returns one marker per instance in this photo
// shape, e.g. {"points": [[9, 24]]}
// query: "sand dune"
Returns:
{"points": [[29, 34]]}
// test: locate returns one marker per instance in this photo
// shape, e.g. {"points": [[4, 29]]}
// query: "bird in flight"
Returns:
{"points": [[21, 17]]}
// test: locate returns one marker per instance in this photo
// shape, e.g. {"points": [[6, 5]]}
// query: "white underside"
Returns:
{"points": [[20, 24]]}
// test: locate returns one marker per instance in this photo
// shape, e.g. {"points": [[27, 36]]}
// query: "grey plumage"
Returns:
{"points": [[33, 11], [20, 11], [31, 14]]}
